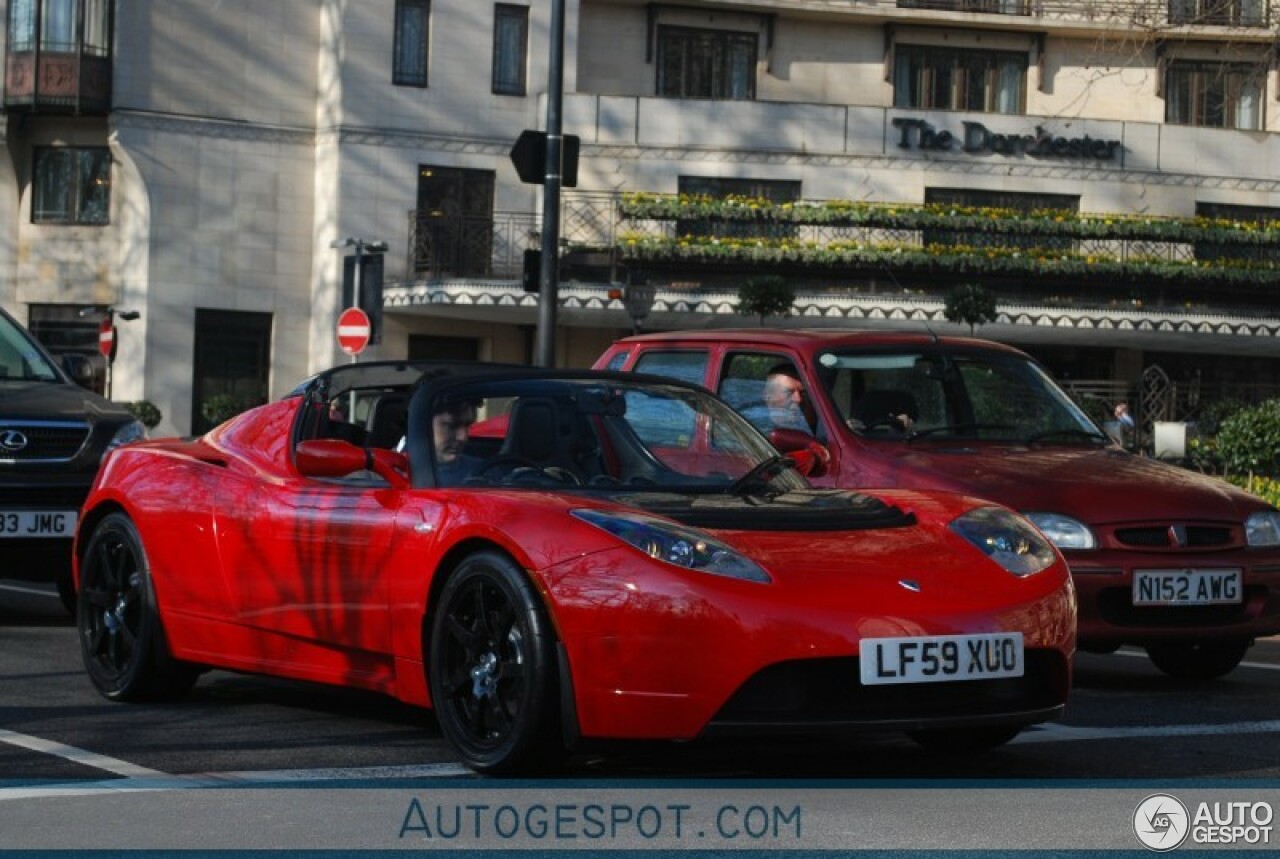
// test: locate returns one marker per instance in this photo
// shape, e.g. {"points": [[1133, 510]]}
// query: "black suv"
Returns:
{"points": [[53, 434]]}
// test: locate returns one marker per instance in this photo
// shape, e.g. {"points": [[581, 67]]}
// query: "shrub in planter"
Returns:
{"points": [[1249, 440], [145, 411]]}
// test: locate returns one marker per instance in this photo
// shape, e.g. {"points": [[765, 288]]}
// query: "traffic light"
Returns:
{"points": [[531, 276]]}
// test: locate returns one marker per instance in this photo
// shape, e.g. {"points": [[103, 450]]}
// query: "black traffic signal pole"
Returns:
{"points": [[550, 275]]}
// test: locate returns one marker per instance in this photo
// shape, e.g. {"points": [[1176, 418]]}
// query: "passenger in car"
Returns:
{"points": [[785, 403]]}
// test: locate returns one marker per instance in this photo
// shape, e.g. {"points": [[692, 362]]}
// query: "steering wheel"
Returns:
{"points": [[508, 460]]}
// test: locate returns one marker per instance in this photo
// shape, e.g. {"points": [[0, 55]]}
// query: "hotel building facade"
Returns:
{"points": [[1108, 171]]}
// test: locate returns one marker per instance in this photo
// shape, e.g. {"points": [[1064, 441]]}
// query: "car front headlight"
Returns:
{"points": [[1063, 531], [1007, 539], [676, 544], [132, 431], [1263, 528]]}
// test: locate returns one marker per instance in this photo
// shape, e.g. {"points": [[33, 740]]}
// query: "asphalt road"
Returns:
{"points": [[1125, 721]]}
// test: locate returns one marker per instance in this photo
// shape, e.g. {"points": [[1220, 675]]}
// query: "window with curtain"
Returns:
{"points": [[22, 25], [694, 63], [1222, 13], [97, 28], [409, 66], [510, 48], [935, 78], [58, 26], [72, 185], [1215, 95]]}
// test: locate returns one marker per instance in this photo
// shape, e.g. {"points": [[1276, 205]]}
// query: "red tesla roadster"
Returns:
{"points": [[550, 557]]}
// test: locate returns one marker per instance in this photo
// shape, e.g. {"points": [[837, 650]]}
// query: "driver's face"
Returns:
{"points": [[451, 430]]}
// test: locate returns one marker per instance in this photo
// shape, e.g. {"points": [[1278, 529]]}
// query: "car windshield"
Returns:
{"points": [[922, 394], [591, 434], [20, 359]]}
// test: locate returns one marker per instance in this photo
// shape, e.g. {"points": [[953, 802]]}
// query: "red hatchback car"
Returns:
{"points": [[1185, 565]]}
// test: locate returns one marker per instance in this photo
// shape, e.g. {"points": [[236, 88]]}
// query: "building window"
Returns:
{"points": [[453, 225], [232, 362], [71, 186], [773, 190], [1221, 13], [510, 48], [706, 64], [413, 18], [56, 20], [1236, 212], [1215, 95], [1017, 200], [990, 7], [933, 78]]}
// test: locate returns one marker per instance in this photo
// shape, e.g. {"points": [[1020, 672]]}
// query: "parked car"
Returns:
{"points": [[53, 433], [561, 556], [1182, 564]]}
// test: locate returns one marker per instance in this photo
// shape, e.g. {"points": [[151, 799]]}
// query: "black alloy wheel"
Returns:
{"points": [[491, 667], [121, 638]]}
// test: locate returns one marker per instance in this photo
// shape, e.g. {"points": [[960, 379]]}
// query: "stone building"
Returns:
{"points": [[1107, 169]]}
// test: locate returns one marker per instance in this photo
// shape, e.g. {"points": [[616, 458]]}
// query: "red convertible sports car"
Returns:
{"points": [[549, 557]]}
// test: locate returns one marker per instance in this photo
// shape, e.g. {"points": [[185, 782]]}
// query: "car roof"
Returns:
{"points": [[814, 338]]}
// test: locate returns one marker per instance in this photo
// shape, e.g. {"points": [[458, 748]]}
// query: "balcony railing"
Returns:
{"points": [[1143, 13]]}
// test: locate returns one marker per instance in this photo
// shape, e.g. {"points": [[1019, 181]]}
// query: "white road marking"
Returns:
{"points": [[76, 755], [1058, 733], [18, 589], [1142, 654]]}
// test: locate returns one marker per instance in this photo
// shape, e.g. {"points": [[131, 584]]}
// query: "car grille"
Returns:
{"points": [[827, 691], [41, 441], [1174, 536]]}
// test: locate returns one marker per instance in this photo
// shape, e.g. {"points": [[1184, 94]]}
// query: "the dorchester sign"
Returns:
{"points": [[977, 139]]}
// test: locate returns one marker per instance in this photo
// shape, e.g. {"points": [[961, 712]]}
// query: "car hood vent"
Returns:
{"points": [[805, 510]]}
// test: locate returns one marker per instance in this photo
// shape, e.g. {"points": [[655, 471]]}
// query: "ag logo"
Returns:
{"points": [[1161, 822]]}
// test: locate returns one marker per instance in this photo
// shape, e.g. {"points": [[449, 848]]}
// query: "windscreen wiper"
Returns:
{"points": [[957, 428], [1073, 432], [760, 475]]}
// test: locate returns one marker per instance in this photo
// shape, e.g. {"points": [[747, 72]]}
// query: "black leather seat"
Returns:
{"points": [[388, 420]]}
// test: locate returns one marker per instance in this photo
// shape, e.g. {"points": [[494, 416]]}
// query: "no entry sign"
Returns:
{"points": [[106, 338], [354, 330]]}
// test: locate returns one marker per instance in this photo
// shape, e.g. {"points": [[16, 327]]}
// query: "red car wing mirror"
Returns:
{"points": [[328, 457], [810, 456]]}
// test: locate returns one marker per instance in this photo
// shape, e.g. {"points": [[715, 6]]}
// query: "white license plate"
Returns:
{"points": [[1186, 587], [935, 658], [37, 523]]}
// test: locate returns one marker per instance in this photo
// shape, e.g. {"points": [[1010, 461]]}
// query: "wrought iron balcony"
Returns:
{"points": [[1138, 13], [58, 58]]}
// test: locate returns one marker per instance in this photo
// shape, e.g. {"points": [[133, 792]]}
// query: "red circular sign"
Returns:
{"points": [[354, 330], [106, 337]]}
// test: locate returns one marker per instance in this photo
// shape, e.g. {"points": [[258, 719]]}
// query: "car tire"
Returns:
{"points": [[492, 668], [965, 740], [122, 638], [1198, 660]]}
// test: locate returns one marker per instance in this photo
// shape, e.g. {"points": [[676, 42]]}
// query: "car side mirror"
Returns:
{"points": [[810, 455], [329, 457], [79, 368]]}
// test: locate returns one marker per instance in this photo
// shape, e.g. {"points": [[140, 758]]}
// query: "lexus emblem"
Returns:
{"points": [[12, 441]]}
